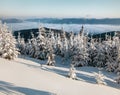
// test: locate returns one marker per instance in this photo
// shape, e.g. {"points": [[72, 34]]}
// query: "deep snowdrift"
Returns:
{"points": [[26, 76]]}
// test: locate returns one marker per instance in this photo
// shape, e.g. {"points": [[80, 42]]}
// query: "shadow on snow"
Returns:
{"points": [[10, 89]]}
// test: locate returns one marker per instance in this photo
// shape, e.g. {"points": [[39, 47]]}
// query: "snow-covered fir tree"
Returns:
{"points": [[72, 73], [116, 53], [80, 50], [64, 42], [99, 59], [58, 49], [92, 51], [8, 48], [71, 39], [71, 45], [21, 45], [34, 50], [41, 44], [99, 78], [117, 66], [51, 58], [50, 46], [112, 51], [117, 79]]}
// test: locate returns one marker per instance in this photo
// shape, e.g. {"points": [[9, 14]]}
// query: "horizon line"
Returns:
{"points": [[33, 17]]}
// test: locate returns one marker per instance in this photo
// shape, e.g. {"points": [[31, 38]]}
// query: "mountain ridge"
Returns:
{"points": [[113, 21]]}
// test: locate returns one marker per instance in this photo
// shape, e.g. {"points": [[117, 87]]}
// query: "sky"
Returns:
{"points": [[60, 8]]}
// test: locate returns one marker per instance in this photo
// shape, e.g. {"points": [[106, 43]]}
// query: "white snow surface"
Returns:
{"points": [[28, 76]]}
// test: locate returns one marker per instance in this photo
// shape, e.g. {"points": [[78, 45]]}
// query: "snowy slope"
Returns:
{"points": [[25, 76]]}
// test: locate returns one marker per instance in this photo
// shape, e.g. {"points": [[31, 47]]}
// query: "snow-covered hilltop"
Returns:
{"points": [[54, 64], [25, 76]]}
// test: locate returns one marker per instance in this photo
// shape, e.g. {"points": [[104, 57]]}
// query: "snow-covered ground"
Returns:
{"points": [[28, 76], [90, 28]]}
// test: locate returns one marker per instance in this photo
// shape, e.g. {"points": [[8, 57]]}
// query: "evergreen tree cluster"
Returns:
{"points": [[80, 49]]}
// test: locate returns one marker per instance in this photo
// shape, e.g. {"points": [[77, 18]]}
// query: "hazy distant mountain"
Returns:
{"points": [[115, 21], [26, 33], [11, 20]]}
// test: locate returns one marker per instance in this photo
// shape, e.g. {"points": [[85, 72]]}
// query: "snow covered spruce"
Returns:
{"points": [[80, 49], [99, 78], [72, 73], [8, 48]]}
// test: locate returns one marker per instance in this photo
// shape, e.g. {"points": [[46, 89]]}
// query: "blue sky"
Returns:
{"points": [[60, 8]]}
